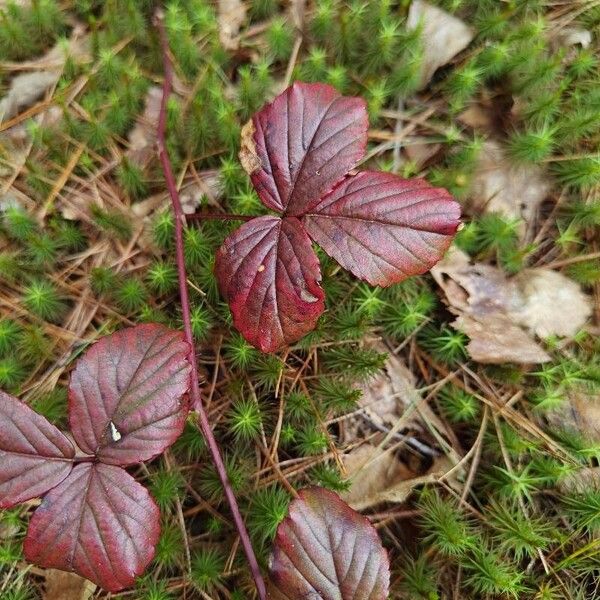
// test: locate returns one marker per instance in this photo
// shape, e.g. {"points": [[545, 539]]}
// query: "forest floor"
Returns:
{"points": [[459, 410]]}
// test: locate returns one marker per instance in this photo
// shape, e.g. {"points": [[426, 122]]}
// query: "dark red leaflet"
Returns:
{"points": [[383, 228], [270, 276], [34, 455], [99, 522], [306, 140], [127, 394], [326, 550]]}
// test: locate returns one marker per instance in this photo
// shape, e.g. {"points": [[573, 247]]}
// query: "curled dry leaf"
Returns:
{"points": [[298, 151], [325, 550], [443, 36], [500, 315], [34, 455], [126, 401], [270, 276], [512, 190], [99, 522]]}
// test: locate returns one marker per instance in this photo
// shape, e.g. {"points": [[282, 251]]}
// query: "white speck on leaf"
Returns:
{"points": [[115, 435]]}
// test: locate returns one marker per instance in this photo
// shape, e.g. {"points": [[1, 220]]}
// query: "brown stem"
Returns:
{"points": [[218, 217], [185, 310]]}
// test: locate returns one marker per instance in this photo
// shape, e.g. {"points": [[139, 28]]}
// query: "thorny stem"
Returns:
{"points": [[185, 310]]}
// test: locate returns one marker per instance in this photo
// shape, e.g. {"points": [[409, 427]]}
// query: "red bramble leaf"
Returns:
{"points": [[34, 455], [99, 522], [302, 144], [270, 276], [327, 551], [126, 396], [298, 151], [383, 228]]}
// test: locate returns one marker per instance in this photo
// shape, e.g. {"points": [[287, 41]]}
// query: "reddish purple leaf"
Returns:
{"points": [[34, 455], [384, 228], [99, 522], [327, 551], [302, 144], [270, 275], [126, 397]]}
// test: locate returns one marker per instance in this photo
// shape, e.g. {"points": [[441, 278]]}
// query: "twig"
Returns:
{"points": [[187, 325], [217, 217]]}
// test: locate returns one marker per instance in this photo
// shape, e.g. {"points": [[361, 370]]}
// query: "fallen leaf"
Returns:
{"points": [[571, 36], [582, 480], [142, 137], [231, 16], [62, 585], [512, 190], [24, 90], [496, 340], [384, 472], [501, 315], [28, 87], [378, 476], [553, 303], [443, 35]]}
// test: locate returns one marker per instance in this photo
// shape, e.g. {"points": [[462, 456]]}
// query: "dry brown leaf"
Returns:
{"points": [[386, 396], [579, 414], [142, 137], [383, 472], [28, 87], [514, 191], [378, 476], [61, 585], [231, 16], [553, 303], [500, 315], [443, 35], [571, 36], [496, 340], [580, 481]]}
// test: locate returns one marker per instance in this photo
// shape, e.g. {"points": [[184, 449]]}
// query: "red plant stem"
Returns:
{"points": [[218, 217], [187, 325]]}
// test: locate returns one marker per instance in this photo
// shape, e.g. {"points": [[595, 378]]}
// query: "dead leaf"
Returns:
{"points": [[495, 340], [553, 303], [571, 36], [142, 137], [62, 585], [501, 315], [24, 90], [514, 191], [384, 472], [385, 479], [28, 87], [231, 16], [443, 35], [582, 480]]}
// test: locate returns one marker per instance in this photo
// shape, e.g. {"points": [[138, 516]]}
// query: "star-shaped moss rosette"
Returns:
{"points": [[298, 151]]}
